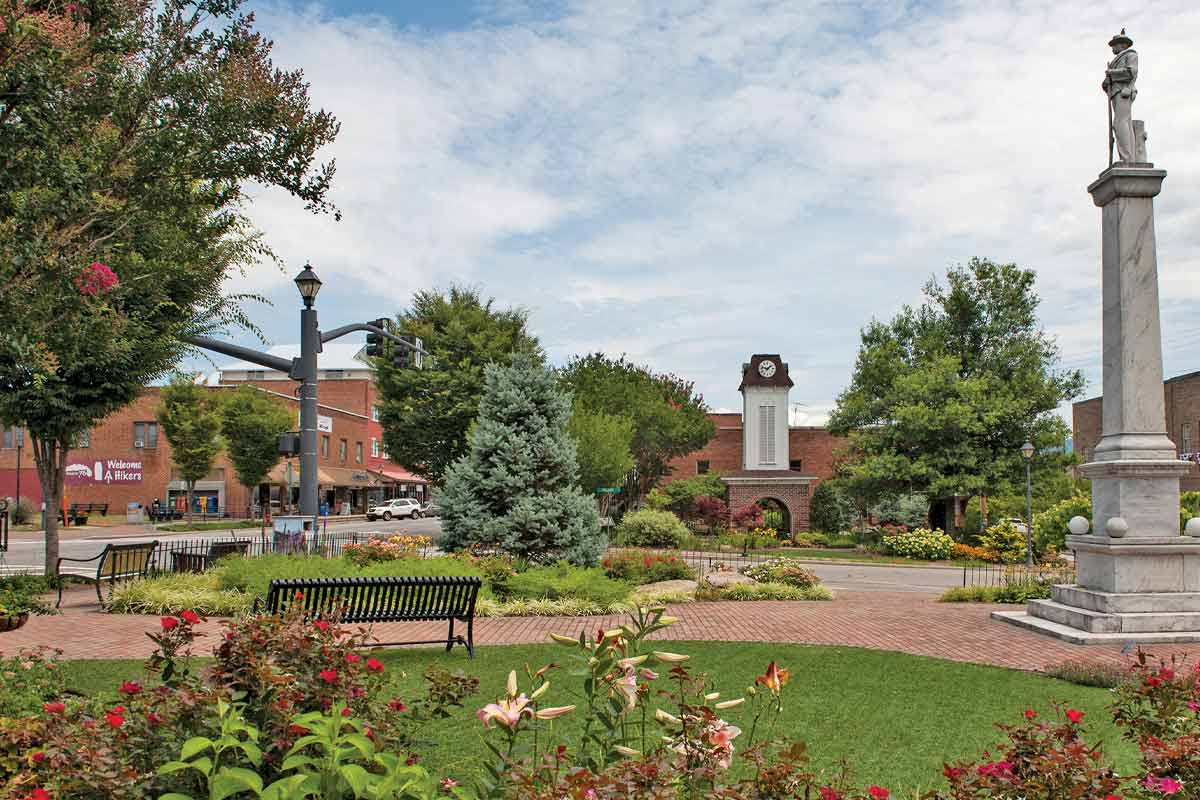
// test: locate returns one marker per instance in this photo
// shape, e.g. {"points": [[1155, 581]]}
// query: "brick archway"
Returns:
{"points": [[788, 489]]}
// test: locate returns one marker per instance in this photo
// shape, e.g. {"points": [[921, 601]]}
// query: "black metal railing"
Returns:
{"points": [[197, 555], [1004, 574]]}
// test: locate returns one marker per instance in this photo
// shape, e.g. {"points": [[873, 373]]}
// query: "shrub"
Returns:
{"points": [[1090, 673], [1020, 590], [637, 568], [712, 511], [782, 570], [682, 496], [966, 552], [910, 510], [1005, 543], [761, 591], [970, 594], [1050, 526], [400, 545], [254, 575], [922, 543], [22, 511], [747, 517], [20, 594], [172, 594], [563, 581], [650, 528], [30, 678], [829, 509]]}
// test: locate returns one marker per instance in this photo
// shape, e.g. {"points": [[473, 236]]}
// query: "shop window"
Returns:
{"points": [[796, 465], [358, 452], [14, 437], [325, 446], [701, 467], [145, 434], [343, 449], [374, 448]]}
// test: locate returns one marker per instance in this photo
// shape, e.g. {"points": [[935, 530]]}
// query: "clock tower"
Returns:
{"points": [[765, 387]]}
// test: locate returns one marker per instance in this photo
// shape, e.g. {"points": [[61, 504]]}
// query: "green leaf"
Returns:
{"points": [[231, 780], [193, 746], [356, 777], [289, 788], [175, 796], [360, 743], [295, 761]]}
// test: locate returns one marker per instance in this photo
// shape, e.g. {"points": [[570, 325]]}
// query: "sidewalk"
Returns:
{"points": [[126, 530], [900, 622]]}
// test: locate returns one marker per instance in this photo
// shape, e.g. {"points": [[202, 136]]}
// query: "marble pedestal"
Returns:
{"points": [[1137, 578]]}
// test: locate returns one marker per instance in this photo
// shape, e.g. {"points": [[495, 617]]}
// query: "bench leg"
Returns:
{"points": [[61, 581], [471, 637], [99, 596], [450, 636]]}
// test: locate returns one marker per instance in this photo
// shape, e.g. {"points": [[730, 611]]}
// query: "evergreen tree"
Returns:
{"points": [[517, 487]]}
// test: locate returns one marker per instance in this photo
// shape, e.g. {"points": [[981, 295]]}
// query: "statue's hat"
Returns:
{"points": [[1121, 38]]}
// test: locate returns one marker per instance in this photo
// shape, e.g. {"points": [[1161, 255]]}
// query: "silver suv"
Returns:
{"points": [[399, 507]]}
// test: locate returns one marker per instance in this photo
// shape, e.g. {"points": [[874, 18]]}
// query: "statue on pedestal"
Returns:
{"points": [[1120, 84]]}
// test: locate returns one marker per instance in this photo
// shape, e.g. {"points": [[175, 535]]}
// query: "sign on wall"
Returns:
{"points": [[109, 470], [324, 424]]}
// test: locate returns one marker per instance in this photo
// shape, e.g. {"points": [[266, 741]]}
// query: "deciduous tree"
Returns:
{"points": [[128, 129], [190, 416], [251, 422]]}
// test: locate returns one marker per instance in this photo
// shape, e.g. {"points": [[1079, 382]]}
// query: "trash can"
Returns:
{"points": [[135, 513], [324, 509]]}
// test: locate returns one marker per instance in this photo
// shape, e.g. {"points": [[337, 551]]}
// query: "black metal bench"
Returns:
{"points": [[408, 599], [188, 560], [78, 513], [116, 562]]}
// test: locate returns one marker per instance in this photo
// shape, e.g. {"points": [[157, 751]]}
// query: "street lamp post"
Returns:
{"points": [[310, 345], [1027, 450]]}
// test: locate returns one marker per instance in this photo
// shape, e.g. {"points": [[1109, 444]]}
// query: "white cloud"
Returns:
{"points": [[691, 182]]}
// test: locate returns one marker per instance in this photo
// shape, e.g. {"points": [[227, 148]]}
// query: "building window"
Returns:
{"points": [[145, 434], [796, 465], [343, 449], [325, 446], [375, 413], [374, 448], [766, 434], [358, 451], [256, 374], [701, 467], [83, 439], [1185, 438], [14, 437], [334, 374]]}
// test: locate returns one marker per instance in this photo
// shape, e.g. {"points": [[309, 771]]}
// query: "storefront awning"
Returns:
{"points": [[390, 472], [341, 476], [278, 475]]}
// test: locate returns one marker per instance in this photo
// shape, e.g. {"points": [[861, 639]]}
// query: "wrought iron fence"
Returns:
{"points": [[703, 562], [1004, 574], [196, 555]]}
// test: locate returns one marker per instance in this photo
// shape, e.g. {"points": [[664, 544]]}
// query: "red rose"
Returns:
{"points": [[39, 794], [374, 665], [115, 720], [352, 658], [329, 675], [130, 688], [877, 792], [153, 719], [39, 757], [1167, 674], [346, 711], [190, 617], [397, 705], [321, 625], [951, 772], [169, 623], [297, 730], [1074, 716], [53, 708], [1030, 713]]}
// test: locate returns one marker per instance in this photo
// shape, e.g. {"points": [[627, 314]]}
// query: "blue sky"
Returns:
{"points": [[691, 182]]}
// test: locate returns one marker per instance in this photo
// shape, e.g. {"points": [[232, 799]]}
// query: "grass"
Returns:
{"points": [[226, 525], [895, 717]]}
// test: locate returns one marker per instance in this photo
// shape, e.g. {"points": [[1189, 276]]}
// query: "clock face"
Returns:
{"points": [[766, 368]]}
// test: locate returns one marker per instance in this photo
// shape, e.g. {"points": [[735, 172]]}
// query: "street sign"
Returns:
{"points": [[609, 490]]}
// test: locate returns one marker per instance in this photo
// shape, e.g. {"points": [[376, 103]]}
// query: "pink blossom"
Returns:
{"points": [[96, 278], [507, 712]]}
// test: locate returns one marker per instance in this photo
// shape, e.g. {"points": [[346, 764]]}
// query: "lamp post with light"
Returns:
{"points": [[1027, 450], [304, 370]]}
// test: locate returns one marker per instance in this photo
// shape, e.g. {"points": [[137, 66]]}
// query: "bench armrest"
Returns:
{"points": [[79, 560]]}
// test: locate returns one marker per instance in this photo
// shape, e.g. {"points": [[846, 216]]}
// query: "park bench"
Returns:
{"points": [[187, 559], [78, 513], [116, 562], [390, 599]]}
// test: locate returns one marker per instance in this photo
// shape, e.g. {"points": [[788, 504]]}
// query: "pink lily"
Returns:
{"points": [[507, 712]]}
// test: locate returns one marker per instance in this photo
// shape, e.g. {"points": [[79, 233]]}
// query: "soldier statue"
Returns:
{"points": [[1120, 84]]}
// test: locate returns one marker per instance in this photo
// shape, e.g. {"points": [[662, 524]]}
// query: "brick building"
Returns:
{"points": [[1182, 396], [758, 455], [126, 458]]}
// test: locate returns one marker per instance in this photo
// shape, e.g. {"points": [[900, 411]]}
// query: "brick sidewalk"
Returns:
{"points": [[901, 622]]}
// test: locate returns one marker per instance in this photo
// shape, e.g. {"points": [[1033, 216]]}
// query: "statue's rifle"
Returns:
{"points": [[1108, 105]]}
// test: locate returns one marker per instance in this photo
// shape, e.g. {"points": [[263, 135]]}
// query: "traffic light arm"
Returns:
{"points": [[337, 333]]}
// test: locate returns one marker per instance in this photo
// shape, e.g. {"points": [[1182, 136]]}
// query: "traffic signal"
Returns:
{"points": [[404, 357], [375, 340]]}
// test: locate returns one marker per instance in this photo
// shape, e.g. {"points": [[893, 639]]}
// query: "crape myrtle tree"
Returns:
{"points": [[517, 487], [427, 412], [190, 416], [251, 423], [127, 131], [602, 444], [669, 418], [944, 395]]}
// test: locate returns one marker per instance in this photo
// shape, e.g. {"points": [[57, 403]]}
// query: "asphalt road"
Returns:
{"points": [[836, 575]]}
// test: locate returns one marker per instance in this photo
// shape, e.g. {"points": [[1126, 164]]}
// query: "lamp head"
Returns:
{"points": [[309, 284], [1027, 449]]}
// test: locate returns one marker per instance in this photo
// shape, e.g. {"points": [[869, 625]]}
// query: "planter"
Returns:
{"points": [[13, 622]]}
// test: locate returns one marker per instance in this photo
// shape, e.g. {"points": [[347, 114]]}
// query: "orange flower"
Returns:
{"points": [[774, 679]]}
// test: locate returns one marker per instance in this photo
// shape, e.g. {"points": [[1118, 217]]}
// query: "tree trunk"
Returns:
{"points": [[191, 485], [983, 520], [50, 456]]}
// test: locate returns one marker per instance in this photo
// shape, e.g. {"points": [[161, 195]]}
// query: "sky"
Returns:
{"points": [[688, 183]]}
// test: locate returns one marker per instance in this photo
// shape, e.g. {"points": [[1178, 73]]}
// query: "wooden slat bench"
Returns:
{"points": [[359, 600], [78, 513], [116, 562], [191, 561]]}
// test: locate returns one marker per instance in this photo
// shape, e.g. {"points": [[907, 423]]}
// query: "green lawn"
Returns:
{"points": [[227, 525], [895, 717]]}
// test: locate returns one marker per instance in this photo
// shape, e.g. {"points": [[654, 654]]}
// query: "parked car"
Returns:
{"points": [[1017, 523], [399, 507], [430, 509]]}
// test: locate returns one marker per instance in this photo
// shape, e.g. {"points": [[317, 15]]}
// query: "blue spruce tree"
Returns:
{"points": [[516, 489]]}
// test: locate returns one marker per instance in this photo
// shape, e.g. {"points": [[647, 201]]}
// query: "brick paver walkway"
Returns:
{"points": [[899, 621]]}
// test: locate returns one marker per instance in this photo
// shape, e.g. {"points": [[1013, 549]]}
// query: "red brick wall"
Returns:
{"points": [[815, 447], [795, 497]]}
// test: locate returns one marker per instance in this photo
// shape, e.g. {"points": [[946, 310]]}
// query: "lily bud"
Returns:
{"points": [[667, 620], [626, 751], [539, 691], [632, 661], [665, 718], [670, 658], [729, 704], [511, 686], [554, 713], [615, 633], [564, 640], [712, 696]]}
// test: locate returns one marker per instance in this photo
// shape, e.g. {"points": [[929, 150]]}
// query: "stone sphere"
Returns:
{"points": [[1116, 527], [1079, 526], [1193, 527]]}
